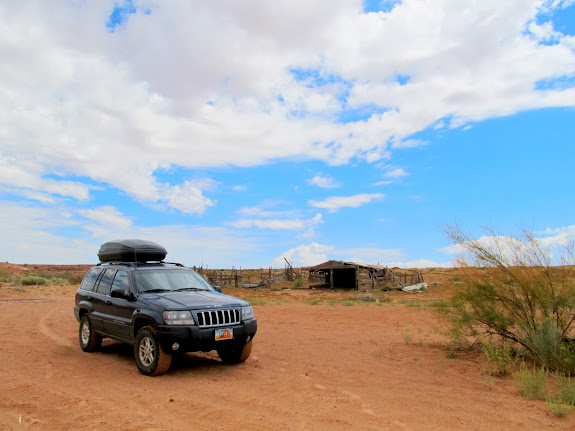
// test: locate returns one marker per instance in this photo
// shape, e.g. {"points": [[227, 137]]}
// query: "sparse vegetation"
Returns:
{"points": [[33, 280], [5, 276], [557, 407], [562, 401], [531, 381], [407, 334], [298, 282], [498, 359], [511, 291]]}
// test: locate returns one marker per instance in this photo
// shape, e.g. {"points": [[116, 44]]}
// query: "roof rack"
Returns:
{"points": [[135, 264]]}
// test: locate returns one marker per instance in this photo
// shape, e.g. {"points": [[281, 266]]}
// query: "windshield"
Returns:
{"points": [[170, 281]]}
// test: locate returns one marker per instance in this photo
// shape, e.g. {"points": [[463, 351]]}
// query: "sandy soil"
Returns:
{"points": [[313, 367]]}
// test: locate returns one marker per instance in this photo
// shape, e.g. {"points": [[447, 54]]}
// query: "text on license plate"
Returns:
{"points": [[224, 334]]}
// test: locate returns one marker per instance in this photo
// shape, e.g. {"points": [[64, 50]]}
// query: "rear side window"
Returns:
{"points": [[90, 279], [106, 281], [121, 282]]}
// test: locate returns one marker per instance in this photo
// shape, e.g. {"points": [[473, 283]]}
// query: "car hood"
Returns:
{"points": [[193, 300]]}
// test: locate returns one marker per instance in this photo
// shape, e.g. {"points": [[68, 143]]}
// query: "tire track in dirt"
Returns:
{"points": [[45, 330]]}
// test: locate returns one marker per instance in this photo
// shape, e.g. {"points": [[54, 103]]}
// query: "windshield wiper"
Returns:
{"points": [[189, 288], [156, 290]]}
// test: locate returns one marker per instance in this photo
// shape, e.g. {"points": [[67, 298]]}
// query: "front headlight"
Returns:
{"points": [[178, 318], [247, 313]]}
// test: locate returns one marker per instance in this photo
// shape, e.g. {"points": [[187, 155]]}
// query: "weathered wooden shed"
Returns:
{"points": [[337, 274]]}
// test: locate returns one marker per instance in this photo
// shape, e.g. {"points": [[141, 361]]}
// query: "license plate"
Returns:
{"points": [[224, 334]]}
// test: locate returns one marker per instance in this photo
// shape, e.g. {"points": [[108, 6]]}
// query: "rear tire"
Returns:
{"points": [[89, 340], [150, 358], [235, 354]]}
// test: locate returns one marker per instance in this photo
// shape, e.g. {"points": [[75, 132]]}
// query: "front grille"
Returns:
{"points": [[208, 319]]}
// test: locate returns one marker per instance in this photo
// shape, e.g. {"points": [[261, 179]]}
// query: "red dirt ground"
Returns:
{"points": [[313, 367]]}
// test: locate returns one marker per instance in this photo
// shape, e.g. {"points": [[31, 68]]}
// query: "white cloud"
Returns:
{"points": [[335, 203], [77, 101], [107, 215], [305, 225], [269, 224], [304, 255], [371, 255], [409, 143], [395, 173], [314, 254], [30, 235], [25, 182], [420, 263], [324, 182], [260, 212], [187, 198], [552, 245]]}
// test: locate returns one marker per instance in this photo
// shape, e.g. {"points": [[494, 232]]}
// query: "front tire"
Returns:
{"points": [[235, 354], [89, 340], [150, 358]]}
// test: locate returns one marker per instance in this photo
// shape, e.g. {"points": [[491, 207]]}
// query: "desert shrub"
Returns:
{"points": [[5, 275], [499, 360], [73, 277], [531, 381], [59, 281], [562, 401], [557, 407], [33, 280], [565, 389], [298, 282], [407, 334], [511, 291]]}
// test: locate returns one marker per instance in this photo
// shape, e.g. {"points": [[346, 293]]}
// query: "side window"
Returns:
{"points": [[121, 282], [106, 281], [90, 279]]}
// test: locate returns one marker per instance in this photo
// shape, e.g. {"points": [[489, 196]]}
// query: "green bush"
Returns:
{"points": [[33, 280], [531, 381], [562, 401], [298, 282], [511, 291], [5, 275], [498, 359], [558, 408]]}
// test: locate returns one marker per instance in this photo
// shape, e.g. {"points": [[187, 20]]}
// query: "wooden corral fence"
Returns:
{"points": [[262, 277]]}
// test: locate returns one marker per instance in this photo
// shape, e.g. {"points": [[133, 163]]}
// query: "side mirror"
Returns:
{"points": [[218, 289], [118, 292]]}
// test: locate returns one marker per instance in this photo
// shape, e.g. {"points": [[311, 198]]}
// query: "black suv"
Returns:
{"points": [[161, 308]]}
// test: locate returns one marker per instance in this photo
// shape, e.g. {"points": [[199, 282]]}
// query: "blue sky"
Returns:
{"points": [[240, 133]]}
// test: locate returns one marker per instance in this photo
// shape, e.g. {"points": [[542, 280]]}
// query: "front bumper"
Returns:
{"points": [[195, 339]]}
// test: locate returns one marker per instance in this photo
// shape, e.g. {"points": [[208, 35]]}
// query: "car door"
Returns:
{"points": [[100, 299], [119, 310]]}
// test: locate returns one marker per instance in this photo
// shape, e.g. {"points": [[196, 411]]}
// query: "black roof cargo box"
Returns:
{"points": [[131, 250]]}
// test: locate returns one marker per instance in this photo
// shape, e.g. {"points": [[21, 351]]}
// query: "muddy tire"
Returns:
{"points": [[235, 354], [150, 358], [89, 340]]}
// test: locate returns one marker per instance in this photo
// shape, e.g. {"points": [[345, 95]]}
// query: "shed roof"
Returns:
{"points": [[341, 264]]}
